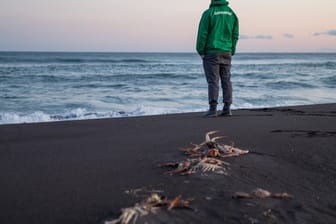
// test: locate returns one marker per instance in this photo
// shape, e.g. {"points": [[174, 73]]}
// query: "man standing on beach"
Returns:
{"points": [[217, 38]]}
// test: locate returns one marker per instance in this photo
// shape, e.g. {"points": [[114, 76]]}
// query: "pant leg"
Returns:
{"points": [[211, 70], [225, 76]]}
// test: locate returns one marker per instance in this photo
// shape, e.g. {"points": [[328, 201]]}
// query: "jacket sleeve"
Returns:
{"points": [[202, 35], [235, 35]]}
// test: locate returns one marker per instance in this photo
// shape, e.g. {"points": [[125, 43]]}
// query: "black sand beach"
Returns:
{"points": [[79, 171]]}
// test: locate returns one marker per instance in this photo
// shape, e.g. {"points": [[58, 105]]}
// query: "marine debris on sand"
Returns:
{"points": [[149, 206], [261, 193], [211, 148], [205, 157], [192, 166]]}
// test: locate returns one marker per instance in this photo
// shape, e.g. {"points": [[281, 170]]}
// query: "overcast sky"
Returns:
{"points": [[161, 26]]}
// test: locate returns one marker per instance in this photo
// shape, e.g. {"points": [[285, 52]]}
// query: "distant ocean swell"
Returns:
{"points": [[40, 60], [43, 87]]}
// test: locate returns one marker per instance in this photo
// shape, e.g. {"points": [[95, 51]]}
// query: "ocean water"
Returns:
{"points": [[39, 87]]}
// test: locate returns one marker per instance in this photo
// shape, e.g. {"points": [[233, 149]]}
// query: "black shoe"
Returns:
{"points": [[211, 113], [226, 111]]}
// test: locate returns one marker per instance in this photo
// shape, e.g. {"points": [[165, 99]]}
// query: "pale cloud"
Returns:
{"points": [[264, 37], [288, 35], [328, 33], [260, 37], [244, 37]]}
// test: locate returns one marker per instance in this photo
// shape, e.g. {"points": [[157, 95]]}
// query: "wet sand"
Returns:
{"points": [[78, 171]]}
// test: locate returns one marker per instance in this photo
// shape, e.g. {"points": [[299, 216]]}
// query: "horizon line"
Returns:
{"points": [[163, 52]]}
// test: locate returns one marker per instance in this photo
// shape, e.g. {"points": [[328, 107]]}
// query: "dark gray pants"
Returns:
{"points": [[218, 66]]}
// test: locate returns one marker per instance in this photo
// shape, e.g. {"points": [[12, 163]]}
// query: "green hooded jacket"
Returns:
{"points": [[218, 29]]}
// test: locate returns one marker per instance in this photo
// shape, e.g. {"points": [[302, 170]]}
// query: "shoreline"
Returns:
{"points": [[168, 114], [78, 171]]}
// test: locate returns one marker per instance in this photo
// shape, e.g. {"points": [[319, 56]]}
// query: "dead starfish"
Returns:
{"points": [[209, 164], [214, 149], [209, 142], [150, 205], [129, 214], [191, 166], [225, 151], [183, 168], [178, 202]]}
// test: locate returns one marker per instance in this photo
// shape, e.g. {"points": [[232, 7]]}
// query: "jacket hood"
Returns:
{"points": [[218, 2]]}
